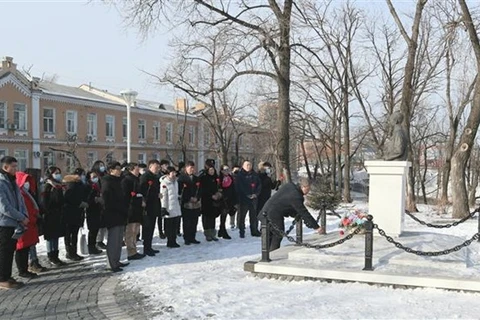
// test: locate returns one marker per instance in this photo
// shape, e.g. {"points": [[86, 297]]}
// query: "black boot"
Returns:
{"points": [[75, 254], [222, 233], [94, 250]]}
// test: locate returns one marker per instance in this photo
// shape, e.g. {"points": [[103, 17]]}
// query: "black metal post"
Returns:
{"points": [[368, 243], [323, 220], [299, 230], [265, 239]]}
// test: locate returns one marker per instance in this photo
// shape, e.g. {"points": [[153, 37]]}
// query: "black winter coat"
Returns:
{"points": [[150, 188], [229, 193], [210, 186], [131, 187], [115, 205], [75, 194], [247, 184], [266, 192], [95, 209], [188, 188], [52, 201], [288, 201]]}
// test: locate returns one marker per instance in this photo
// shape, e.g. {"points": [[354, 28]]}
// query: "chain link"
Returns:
{"points": [[281, 233], [291, 227], [476, 236], [441, 226]]}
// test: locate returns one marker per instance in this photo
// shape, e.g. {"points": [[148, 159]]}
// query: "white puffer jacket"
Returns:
{"points": [[169, 192]]}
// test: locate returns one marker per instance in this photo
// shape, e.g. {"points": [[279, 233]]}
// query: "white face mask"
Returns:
{"points": [[26, 186], [102, 169], [268, 170], [95, 180]]}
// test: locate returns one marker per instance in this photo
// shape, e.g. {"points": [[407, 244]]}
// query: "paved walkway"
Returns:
{"points": [[80, 290]]}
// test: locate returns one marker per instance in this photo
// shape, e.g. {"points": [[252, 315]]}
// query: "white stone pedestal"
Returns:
{"points": [[387, 193]]}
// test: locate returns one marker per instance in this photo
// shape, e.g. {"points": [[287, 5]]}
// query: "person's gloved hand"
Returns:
{"points": [[164, 212]]}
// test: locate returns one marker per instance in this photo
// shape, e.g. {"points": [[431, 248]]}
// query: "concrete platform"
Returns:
{"points": [[392, 266]]}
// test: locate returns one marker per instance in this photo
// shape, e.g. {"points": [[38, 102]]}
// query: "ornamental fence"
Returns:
{"points": [[269, 228]]}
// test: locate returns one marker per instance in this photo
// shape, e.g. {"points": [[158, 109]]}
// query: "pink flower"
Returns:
{"points": [[342, 232], [150, 182], [133, 194]]}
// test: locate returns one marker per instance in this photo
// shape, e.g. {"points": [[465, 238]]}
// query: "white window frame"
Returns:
{"points": [[191, 135], [92, 125], [92, 156], [142, 129], [112, 126], [3, 105], [156, 130], [20, 159], [20, 126], [206, 138], [124, 128], [75, 121], [169, 133], [143, 157], [50, 157], [52, 130], [3, 152]]}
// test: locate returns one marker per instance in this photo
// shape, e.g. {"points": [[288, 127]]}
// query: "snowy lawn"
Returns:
{"points": [[207, 281]]}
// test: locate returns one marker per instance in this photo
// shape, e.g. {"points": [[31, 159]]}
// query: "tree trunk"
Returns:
{"points": [[346, 142], [305, 159]]}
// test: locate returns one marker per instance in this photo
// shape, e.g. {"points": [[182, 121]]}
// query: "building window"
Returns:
{"points": [[49, 120], [124, 156], [71, 117], [3, 153], [156, 131], [91, 158], [22, 159], [168, 133], [48, 159], [142, 158], [92, 124], [109, 126], [70, 164], [20, 116], [124, 128], [141, 129], [206, 138], [109, 157], [3, 115], [191, 135]]}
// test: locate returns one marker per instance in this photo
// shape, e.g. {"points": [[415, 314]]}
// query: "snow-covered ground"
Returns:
{"points": [[207, 281]]}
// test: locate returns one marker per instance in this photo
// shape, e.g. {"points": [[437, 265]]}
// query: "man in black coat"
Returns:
{"points": [[288, 201], [131, 191], [115, 215], [190, 191], [150, 189], [248, 186], [268, 184]]}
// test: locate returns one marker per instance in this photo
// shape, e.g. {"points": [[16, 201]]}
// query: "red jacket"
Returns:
{"points": [[30, 237]]}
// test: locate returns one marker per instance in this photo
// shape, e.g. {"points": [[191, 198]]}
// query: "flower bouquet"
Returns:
{"points": [[353, 220]]}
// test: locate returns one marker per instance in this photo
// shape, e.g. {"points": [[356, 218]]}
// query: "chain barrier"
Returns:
{"points": [[441, 226], [291, 227], [476, 236], [281, 233]]}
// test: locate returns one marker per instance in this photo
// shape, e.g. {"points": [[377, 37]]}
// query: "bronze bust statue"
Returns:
{"points": [[396, 146]]}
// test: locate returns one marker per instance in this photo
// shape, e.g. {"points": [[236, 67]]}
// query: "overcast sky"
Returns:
{"points": [[84, 42]]}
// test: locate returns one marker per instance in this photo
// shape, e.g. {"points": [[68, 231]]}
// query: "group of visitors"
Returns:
{"points": [[125, 203]]}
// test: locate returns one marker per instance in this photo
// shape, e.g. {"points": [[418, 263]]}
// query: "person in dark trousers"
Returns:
{"points": [[171, 210], [27, 184], [248, 188], [74, 209], [212, 202], [288, 201], [13, 218], [115, 215], [268, 184], [233, 220], [150, 189], [190, 190], [229, 198], [131, 191], [100, 169], [94, 211], [52, 202], [163, 171]]}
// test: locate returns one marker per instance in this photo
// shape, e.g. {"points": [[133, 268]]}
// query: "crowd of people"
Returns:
{"points": [[122, 204]]}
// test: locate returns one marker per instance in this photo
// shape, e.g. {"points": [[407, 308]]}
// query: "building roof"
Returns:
{"points": [[72, 92]]}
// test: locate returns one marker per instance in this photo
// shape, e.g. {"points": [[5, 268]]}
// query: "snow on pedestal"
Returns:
{"points": [[387, 192]]}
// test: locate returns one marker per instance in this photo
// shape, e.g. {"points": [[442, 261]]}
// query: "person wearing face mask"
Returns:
{"points": [[26, 183], [100, 169], [268, 184], [74, 208], [52, 201], [94, 212]]}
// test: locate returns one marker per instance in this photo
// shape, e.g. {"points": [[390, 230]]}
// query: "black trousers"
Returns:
{"points": [[208, 222], [160, 225], [7, 250], [190, 221], [71, 237], [223, 216], [275, 239], [21, 259], [171, 227], [148, 227], [252, 214], [92, 237]]}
